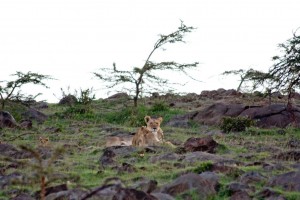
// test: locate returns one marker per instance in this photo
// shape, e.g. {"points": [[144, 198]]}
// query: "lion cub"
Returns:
{"points": [[150, 134], [44, 141]]}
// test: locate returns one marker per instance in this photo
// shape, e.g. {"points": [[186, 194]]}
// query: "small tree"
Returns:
{"points": [[257, 78], [144, 75], [12, 89], [286, 70]]}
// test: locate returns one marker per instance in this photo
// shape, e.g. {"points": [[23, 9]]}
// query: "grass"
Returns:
{"points": [[83, 137]]}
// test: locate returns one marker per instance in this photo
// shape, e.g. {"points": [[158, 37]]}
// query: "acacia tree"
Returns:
{"points": [[144, 75], [286, 70], [257, 78], [11, 91]]}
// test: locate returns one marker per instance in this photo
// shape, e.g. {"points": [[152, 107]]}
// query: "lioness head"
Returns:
{"points": [[153, 125]]}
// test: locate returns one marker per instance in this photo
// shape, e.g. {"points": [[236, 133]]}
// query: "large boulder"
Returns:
{"points": [[10, 151], [276, 115], [33, 114], [7, 120], [288, 181], [220, 93], [207, 144], [68, 100], [204, 187], [121, 95]]}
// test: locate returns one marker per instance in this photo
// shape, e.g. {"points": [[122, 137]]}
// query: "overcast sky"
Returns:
{"points": [[70, 39]]}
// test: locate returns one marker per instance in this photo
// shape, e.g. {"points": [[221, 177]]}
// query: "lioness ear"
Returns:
{"points": [[160, 119], [147, 118]]}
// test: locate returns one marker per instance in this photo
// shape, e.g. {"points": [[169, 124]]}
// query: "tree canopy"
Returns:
{"points": [[143, 77], [11, 90], [286, 70]]}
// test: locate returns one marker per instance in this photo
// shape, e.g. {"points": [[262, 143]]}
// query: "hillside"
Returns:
{"points": [[64, 149]]}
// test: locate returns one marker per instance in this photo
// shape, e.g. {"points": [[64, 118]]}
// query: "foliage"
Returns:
{"points": [[160, 106], [238, 124], [255, 77], [203, 167], [134, 117], [86, 96], [286, 70], [12, 89], [143, 78]]}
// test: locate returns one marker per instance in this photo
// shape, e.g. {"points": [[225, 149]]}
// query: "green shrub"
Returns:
{"points": [[237, 124], [134, 117], [160, 106], [86, 96], [203, 167]]}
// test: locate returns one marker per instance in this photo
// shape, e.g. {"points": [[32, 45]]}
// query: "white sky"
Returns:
{"points": [[70, 39]]}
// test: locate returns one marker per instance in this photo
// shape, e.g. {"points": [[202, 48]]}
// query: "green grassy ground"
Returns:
{"points": [[79, 130]]}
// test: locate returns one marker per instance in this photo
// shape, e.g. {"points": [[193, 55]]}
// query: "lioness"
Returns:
{"points": [[150, 134], [118, 141]]}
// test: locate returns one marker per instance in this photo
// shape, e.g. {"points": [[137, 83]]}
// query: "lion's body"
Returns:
{"points": [[118, 141], [149, 135]]}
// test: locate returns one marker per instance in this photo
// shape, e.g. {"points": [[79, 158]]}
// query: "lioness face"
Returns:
{"points": [[153, 125]]}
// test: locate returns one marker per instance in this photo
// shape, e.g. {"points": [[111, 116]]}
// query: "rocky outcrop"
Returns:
{"points": [[288, 181], [276, 115], [7, 120], [32, 114], [68, 100]]}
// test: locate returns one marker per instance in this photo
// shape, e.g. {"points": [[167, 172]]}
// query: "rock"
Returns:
{"points": [[212, 177], [181, 121], [240, 187], [68, 100], [74, 194], [40, 105], [162, 196], [12, 152], [224, 168], [26, 124], [145, 185], [219, 94], [271, 166], [132, 194], [32, 114], [53, 189], [126, 168], [293, 143], [288, 181], [212, 115], [164, 157], [200, 156], [23, 196], [252, 177], [269, 194], [202, 186], [107, 159], [293, 155], [275, 115], [155, 95], [122, 151], [121, 95], [242, 195], [7, 120], [206, 144], [7, 180]]}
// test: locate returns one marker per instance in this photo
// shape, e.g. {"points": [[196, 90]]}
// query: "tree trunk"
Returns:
{"points": [[135, 99], [43, 188]]}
